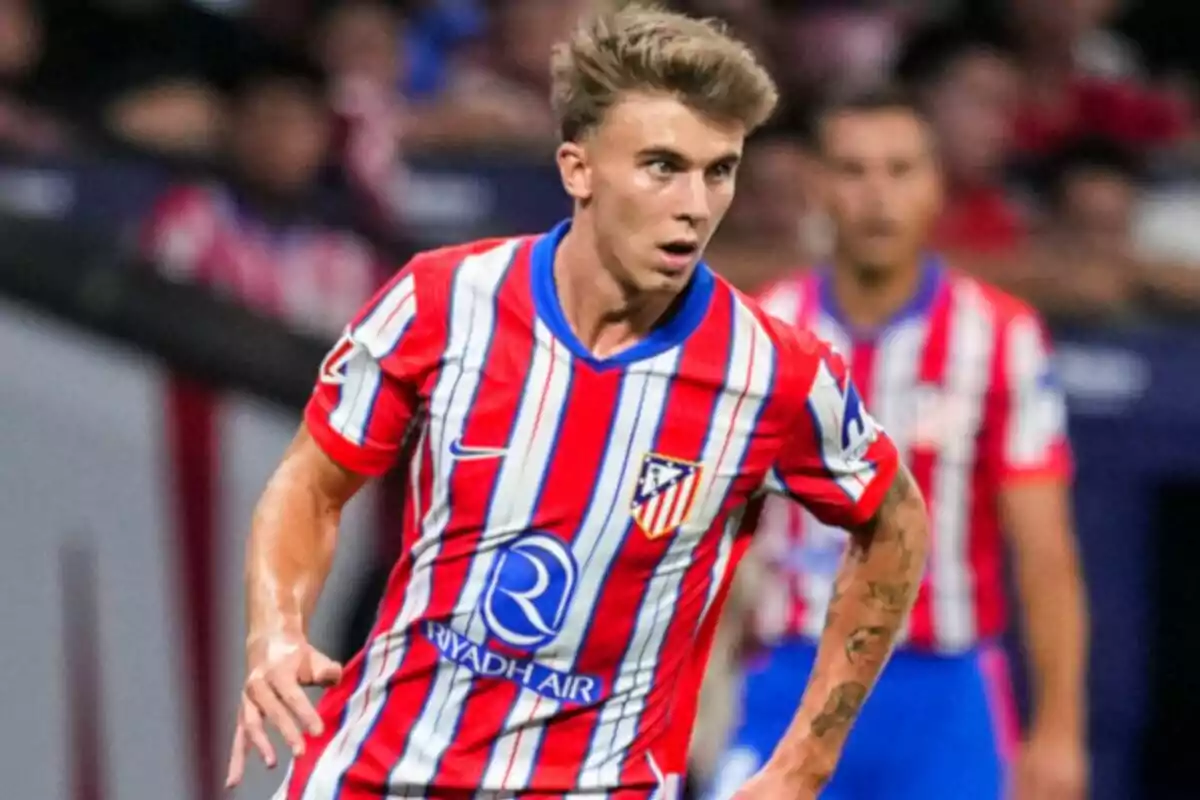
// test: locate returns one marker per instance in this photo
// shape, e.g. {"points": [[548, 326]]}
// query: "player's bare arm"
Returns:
{"points": [[292, 540], [1037, 518], [875, 588]]}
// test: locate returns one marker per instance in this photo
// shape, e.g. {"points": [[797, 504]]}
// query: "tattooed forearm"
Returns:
{"points": [[872, 595], [840, 709]]}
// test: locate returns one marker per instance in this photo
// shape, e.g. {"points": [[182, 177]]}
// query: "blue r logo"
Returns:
{"points": [[529, 590]]}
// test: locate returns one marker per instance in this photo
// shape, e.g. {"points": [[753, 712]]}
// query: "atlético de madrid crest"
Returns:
{"points": [[666, 489]]}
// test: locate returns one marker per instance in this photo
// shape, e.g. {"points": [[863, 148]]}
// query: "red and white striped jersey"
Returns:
{"points": [[572, 526], [961, 381]]}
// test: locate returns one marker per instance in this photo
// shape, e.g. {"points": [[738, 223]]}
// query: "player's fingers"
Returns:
{"points": [[322, 669], [267, 694], [256, 732], [298, 704], [237, 759]]}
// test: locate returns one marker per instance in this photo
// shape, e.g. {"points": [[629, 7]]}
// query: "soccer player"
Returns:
{"points": [[584, 415], [960, 378]]}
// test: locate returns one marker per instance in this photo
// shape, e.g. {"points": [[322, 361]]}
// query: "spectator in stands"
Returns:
{"points": [[505, 82], [175, 115], [1062, 101], [834, 45], [26, 126], [260, 237], [1083, 262], [968, 85]]}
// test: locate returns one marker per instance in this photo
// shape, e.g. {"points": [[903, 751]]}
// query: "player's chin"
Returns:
{"points": [[882, 258], [667, 274], [664, 282]]}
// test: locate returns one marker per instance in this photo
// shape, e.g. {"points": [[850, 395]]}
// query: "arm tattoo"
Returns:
{"points": [[884, 525], [873, 591], [862, 640], [892, 597], [840, 709]]}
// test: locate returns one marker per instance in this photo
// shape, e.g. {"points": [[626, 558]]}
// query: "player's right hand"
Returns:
{"points": [[278, 667]]}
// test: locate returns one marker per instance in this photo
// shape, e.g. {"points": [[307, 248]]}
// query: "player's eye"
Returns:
{"points": [[721, 171], [660, 168]]}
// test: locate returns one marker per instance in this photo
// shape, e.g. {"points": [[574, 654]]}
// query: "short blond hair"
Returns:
{"points": [[636, 47]]}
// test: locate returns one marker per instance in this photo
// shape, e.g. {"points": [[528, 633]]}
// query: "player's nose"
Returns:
{"points": [[694, 202]]}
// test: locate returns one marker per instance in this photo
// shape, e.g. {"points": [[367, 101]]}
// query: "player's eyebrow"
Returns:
{"points": [[730, 159]]}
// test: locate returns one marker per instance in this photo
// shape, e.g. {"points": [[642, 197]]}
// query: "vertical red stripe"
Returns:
{"points": [[923, 457], [681, 715], [191, 436], [81, 649]]}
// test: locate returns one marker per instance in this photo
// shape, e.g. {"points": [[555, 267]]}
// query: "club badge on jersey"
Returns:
{"points": [[666, 489]]}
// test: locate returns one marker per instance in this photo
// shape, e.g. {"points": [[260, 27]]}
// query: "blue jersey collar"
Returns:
{"points": [[932, 275], [687, 316]]}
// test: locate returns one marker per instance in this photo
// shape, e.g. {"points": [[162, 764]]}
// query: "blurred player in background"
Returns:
{"points": [[585, 414], [959, 375]]}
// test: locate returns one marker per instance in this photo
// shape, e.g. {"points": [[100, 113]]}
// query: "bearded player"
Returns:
{"points": [[959, 375], [584, 415]]}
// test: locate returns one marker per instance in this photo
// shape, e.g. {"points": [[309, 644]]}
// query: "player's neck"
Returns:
{"points": [[869, 298], [606, 316]]}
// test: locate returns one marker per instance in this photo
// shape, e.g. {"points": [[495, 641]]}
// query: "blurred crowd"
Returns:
{"points": [[1069, 146]]}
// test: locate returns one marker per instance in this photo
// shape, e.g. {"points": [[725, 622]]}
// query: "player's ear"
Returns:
{"points": [[575, 170]]}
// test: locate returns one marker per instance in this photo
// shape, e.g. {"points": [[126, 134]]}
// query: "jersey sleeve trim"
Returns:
{"points": [[887, 461], [368, 458]]}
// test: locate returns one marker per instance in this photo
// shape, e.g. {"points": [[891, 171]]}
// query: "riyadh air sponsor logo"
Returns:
{"points": [[524, 605]]}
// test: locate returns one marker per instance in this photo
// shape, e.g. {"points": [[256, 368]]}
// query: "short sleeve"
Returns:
{"points": [[1031, 440], [367, 392], [837, 461]]}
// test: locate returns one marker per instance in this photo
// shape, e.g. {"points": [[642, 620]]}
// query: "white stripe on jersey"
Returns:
{"points": [[356, 400], [784, 302], [378, 334], [970, 345], [1036, 410], [514, 501], [827, 329], [720, 567], [640, 407], [380, 331], [476, 282], [734, 418]]}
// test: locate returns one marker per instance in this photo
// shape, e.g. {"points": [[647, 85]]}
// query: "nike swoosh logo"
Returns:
{"points": [[467, 453]]}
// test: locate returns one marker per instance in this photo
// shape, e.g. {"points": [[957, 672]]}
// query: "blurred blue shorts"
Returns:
{"points": [[935, 727]]}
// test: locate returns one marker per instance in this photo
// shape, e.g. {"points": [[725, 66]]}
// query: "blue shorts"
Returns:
{"points": [[935, 727]]}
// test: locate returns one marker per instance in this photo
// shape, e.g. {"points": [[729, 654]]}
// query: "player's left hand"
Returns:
{"points": [[1051, 767], [775, 784]]}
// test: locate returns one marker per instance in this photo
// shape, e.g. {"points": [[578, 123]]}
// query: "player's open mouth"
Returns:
{"points": [[681, 248], [678, 256]]}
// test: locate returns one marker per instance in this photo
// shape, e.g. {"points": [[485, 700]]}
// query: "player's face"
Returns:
{"points": [[657, 177], [972, 112], [880, 185]]}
